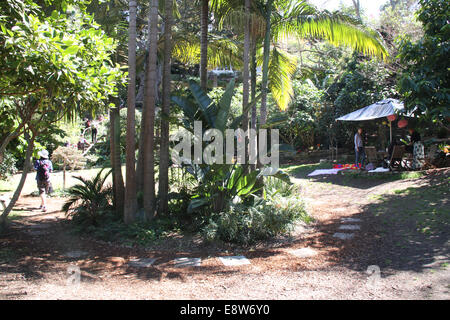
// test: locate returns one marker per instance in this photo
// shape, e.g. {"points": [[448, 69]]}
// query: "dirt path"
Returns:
{"points": [[38, 250]]}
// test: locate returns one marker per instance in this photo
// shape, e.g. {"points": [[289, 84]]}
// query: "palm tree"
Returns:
{"points": [[130, 187], [164, 146], [116, 164], [295, 18], [246, 65], [204, 44], [265, 68], [149, 108]]}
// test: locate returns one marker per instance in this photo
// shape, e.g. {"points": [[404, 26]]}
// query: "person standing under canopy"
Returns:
{"points": [[359, 149]]}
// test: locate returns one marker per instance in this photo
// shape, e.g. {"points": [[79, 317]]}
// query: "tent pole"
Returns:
{"points": [[390, 129]]}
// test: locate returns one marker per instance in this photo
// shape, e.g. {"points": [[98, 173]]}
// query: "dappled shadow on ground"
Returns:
{"points": [[37, 250], [353, 181], [406, 230]]}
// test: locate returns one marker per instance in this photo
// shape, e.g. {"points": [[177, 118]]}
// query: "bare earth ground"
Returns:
{"points": [[408, 247]]}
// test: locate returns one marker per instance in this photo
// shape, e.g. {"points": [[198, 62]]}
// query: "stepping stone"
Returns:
{"points": [[349, 227], [76, 254], [187, 262], [234, 261], [343, 236], [142, 263], [303, 252], [350, 220]]}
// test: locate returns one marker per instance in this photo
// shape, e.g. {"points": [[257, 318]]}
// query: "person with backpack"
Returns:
{"points": [[43, 168]]}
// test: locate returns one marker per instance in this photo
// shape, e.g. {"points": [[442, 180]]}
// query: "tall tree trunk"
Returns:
{"points": [[357, 6], [204, 45], [64, 176], [165, 112], [246, 67], [140, 160], [245, 77], [23, 178], [265, 69], [141, 153], [130, 207], [149, 105], [116, 163], [253, 80]]}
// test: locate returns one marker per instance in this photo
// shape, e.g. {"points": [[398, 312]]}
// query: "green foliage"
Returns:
{"points": [[424, 83], [223, 200], [274, 186], [64, 54], [397, 20], [89, 201], [54, 65], [303, 112], [8, 166], [218, 184], [134, 234], [266, 218]]}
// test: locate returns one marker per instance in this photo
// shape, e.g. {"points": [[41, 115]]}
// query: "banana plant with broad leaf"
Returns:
{"points": [[218, 185]]}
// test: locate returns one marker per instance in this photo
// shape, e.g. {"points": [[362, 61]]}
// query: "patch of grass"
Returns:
{"points": [[5, 186], [14, 215], [55, 177], [388, 177], [425, 207], [60, 193], [376, 197]]}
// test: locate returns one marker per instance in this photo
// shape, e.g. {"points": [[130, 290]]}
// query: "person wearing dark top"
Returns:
{"points": [[414, 137], [43, 167]]}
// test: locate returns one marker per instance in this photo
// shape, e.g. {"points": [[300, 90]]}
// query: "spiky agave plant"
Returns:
{"points": [[89, 200]]}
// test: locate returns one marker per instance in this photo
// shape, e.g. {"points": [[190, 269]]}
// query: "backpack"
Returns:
{"points": [[43, 172]]}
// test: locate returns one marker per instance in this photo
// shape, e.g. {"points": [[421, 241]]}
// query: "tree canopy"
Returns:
{"points": [[424, 82]]}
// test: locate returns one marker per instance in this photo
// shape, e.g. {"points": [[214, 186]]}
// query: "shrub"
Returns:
{"points": [[275, 186], [89, 201], [7, 166], [267, 218]]}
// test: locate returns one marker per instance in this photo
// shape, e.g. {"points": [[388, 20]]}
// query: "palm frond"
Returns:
{"points": [[336, 28], [235, 20], [282, 67], [222, 52]]}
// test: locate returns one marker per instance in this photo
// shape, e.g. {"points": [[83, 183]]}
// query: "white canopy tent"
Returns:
{"points": [[377, 110]]}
